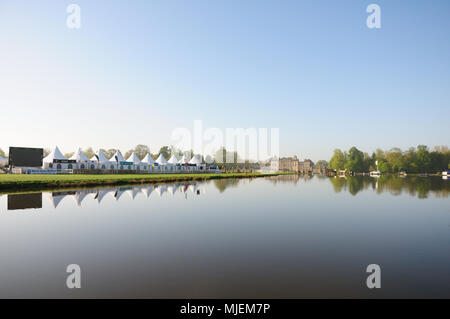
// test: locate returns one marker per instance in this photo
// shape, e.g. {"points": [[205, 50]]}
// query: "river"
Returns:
{"points": [[275, 237]]}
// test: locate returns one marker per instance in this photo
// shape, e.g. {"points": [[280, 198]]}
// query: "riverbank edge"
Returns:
{"points": [[15, 187]]}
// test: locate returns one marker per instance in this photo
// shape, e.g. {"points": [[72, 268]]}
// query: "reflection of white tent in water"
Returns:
{"points": [[184, 188], [160, 189], [55, 198], [133, 192], [100, 194], [80, 195], [194, 188], [147, 190], [172, 189], [119, 192]]}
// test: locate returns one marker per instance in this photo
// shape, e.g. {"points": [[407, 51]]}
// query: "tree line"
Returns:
{"points": [[414, 160]]}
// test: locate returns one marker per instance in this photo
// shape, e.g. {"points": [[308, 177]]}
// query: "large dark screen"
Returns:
{"points": [[24, 156]]}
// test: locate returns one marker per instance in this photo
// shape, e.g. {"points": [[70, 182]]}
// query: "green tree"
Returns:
{"points": [[355, 160], [322, 163], [338, 160], [109, 153], [423, 159], [383, 166], [2, 154], [165, 151], [89, 152], [394, 158]]}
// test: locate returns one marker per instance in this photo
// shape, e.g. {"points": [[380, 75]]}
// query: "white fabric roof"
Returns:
{"points": [[79, 156], [119, 157], [173, 160], [196, 160], [55, 154], [185, 159], [134, 158], [161, 160], [148, 159], [101, 157]]}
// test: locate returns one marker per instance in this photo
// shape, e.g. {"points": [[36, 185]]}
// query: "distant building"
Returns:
{"points": [[289, 164], [275, 164], [306, 166], [320, 169]]}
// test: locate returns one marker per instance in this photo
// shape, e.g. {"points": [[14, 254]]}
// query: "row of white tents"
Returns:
{"points": [[56, 160], [116, 193]]}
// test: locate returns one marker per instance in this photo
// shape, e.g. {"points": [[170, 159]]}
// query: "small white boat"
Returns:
{"points": [[446, 172], [375, 173]]}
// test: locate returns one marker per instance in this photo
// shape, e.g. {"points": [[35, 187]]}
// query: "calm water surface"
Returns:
{"points": [[278, 237]]}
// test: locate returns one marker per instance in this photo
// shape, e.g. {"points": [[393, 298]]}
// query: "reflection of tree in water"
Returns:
{"points": [[223, 184], [414, 186]]}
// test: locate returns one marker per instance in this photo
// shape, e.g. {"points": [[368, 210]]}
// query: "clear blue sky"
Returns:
{"points": [[138, 69]]}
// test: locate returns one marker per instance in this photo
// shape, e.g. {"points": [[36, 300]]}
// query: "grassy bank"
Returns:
{"points": [[16, 182]]}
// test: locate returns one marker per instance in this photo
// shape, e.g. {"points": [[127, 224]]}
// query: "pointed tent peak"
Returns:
{"points": [[55, 154], [196, 160], [186, 158], [101, 157], [161, 160], [173, 160], [79, 156], [148, 159], [134, 158], [119, 156]]}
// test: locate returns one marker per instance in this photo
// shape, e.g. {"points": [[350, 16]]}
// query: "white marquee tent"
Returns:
{"points": [[161, 160], [173, 160], [55, 155], [79, 156], [3, 161]]}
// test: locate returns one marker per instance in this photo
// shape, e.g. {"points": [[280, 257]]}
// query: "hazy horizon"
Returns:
{"points": [[134, 72]]}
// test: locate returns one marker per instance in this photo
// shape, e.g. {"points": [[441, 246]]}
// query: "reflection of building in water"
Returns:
{"points": [[285, 179], [24, 201]]}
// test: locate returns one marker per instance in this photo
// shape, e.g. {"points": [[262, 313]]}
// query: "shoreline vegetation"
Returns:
{"points": [[13, 183], [416, 160]]}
